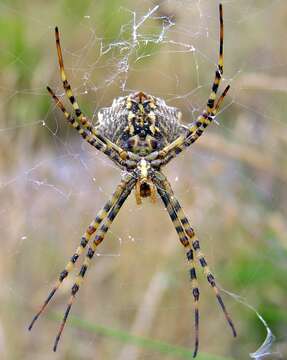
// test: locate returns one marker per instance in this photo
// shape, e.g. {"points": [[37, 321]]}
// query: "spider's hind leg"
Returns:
{"points": [[102, 214], [199, 255], [100, 234], [190, 258], [211, 280], [187, 235]]}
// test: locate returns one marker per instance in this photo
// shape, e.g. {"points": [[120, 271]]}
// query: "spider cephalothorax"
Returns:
{"points": [[140, 134]]}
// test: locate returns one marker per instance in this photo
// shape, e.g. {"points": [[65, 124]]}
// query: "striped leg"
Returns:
{"points": [[196, 128], [190, 258], [196, 247], [175, 210], [211, 280], [87, 135], [84, 121], [201, 125], [102, 214], [100, 234]]}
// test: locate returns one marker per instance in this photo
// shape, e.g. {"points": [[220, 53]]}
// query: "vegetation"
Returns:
{"points": [[136, 301]]}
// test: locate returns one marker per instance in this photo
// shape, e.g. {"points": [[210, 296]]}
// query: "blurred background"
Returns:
{"points": [[136, 301]]}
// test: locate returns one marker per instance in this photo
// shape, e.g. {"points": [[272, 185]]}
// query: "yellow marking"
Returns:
{"points": [[123, 154], [151, 115], [212, 96], [143, 166], [153, 193], [131, 115], [175, 143], [79, 280], [137, 193], [63, 75], [75, 107], [194, 283], [152, 129], [87, 261], [131, 129], [94, 246], [69, 266], [107, 223], [69, 93]]}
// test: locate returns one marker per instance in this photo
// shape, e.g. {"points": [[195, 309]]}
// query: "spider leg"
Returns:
{"points": [[202, 261], [166, 192], [195, 135], [196, 128], [190, 258], [100, 234], [102, 214], [84, 121], [87, 135]]}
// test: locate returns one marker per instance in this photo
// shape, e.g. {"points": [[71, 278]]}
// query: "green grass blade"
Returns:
{"points": [[146, 343]]}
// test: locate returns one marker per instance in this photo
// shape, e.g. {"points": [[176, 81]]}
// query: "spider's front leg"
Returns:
{"points": [[86, 134], [84, 121], [196, 129], [105, 216], [187, 235]]}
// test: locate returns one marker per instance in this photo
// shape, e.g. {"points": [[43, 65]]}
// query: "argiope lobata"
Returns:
{"points": [[140, 134]]}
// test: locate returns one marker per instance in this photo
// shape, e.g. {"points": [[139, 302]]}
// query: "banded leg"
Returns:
{"points": [[196, 128], [202, 122], [84, 121], [211, 280], [176, 207], [189, 138], [190, 258], [199, 255], [100, 234], [87, 135], [102, 214]]}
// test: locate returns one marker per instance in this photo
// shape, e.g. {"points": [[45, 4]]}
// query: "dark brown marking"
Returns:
{"points": [[83, 270], [90, 253], [75, 289], [63, 275], [189, 255], [192, 273], [84, 242]]}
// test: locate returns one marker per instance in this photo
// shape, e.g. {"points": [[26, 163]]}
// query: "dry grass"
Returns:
{"points": [[232, 185]]}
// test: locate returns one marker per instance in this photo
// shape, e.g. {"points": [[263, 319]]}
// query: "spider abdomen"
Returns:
{"points": [[140, 123]]}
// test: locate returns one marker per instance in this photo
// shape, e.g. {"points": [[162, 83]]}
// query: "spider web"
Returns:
{"points": [[231, 185]]}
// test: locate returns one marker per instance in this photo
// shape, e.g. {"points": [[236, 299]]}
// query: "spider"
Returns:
{"points": [[140, 134]]}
